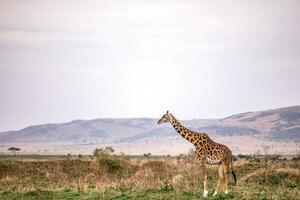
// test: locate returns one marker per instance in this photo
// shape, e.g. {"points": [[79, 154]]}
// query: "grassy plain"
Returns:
{"points": [[147, 177]]}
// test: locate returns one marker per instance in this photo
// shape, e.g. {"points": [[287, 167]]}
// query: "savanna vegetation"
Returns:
{"points": [[106, 175]]}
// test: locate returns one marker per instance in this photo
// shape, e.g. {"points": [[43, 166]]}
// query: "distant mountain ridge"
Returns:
{"points": [[275, 124]]}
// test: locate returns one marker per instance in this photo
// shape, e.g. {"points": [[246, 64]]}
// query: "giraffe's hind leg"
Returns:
{"points": [[205, 185], [221, 177], [226, 173]]}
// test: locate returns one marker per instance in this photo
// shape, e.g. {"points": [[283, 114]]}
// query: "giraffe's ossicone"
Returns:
{"points": [[208, 152]]}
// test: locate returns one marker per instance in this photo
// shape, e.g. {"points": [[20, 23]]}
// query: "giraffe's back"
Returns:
{"points": [[212, 152], [218, 153]]}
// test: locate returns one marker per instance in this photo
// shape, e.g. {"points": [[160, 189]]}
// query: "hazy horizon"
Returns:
{"points": [[125, 59], [146, 117]]}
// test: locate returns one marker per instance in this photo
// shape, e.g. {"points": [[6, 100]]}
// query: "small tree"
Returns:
{"points": [[147, 155], [107, 159], [14, 150], [100, 152]]}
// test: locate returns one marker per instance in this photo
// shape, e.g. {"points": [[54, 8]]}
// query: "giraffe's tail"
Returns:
{"points": [[232, 171]]}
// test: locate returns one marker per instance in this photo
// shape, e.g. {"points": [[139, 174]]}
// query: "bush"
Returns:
{"points": [[107, 151], [244, 157], [274, 157], [107, 160], [111, 163], [271, 180], [147, 154], [296, 158]]}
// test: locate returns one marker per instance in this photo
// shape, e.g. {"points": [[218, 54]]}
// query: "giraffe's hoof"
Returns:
{"points": [[205, 193], [226, 192], [215, 194]]}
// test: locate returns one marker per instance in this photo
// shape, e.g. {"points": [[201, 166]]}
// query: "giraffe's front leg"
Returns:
{"points": [[204, 175]]}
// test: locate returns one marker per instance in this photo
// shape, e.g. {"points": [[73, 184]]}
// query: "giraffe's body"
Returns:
{"points": [[208, 151]]}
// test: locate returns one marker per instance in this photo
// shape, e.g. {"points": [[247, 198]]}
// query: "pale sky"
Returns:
{"points": [[64, 60]]}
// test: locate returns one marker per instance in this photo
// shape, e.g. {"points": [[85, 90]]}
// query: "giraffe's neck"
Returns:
{"points": [[184, 132]]}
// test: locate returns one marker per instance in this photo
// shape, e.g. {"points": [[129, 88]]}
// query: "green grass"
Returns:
{"points": [[68, 194], [246, 193], [52, 194]]}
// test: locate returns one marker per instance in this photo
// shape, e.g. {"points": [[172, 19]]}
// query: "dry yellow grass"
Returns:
{"points": [[133, 176]]}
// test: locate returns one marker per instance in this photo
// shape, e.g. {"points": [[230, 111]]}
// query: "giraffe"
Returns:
{"points": [[208, 152]]}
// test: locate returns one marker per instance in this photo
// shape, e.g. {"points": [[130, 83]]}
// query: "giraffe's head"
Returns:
{"points": [[165, 118]]}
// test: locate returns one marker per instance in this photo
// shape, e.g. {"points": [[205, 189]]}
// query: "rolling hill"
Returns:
{"points": [[282, 124]]}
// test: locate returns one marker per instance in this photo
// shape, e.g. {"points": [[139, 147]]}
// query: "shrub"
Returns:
{"points": [[103, 152], [244, 157], [296, 158], [111, 163], [107, 160], [147, 154], [274, 157]]}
